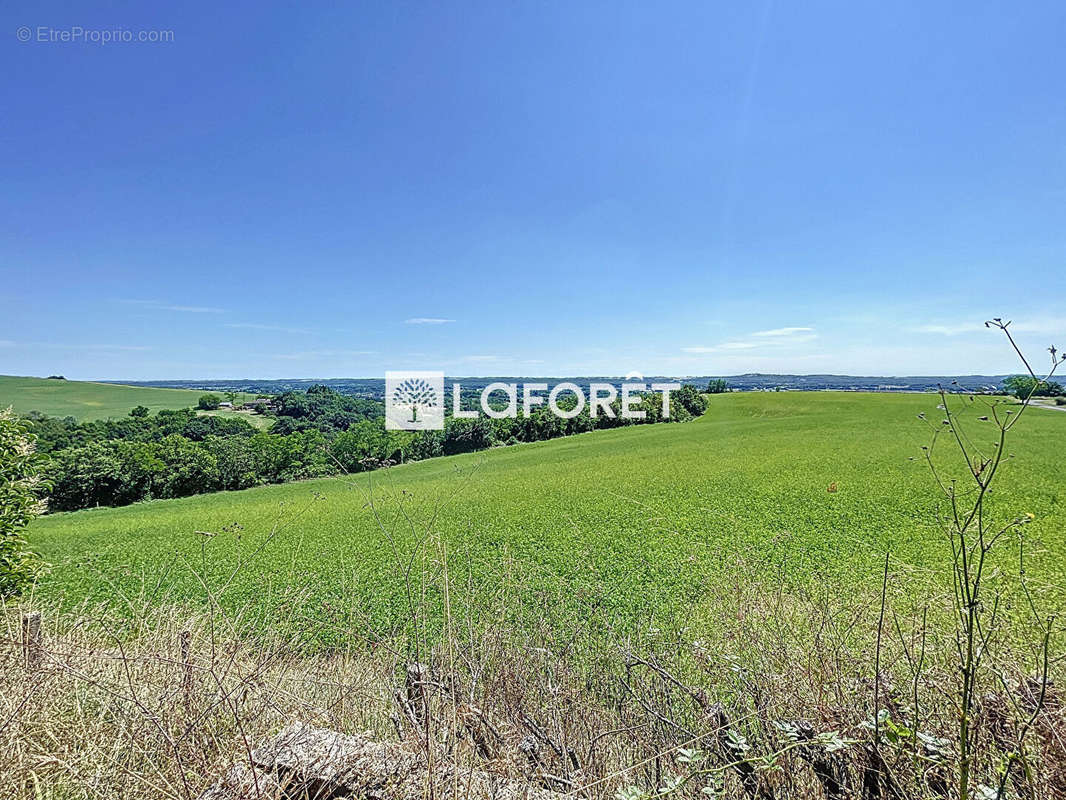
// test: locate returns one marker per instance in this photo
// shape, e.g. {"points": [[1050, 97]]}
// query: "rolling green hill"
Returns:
{"points": [[86, 400], [616, 529]]}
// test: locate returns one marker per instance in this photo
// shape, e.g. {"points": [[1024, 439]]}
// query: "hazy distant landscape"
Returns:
{"points": [[375, 387]]}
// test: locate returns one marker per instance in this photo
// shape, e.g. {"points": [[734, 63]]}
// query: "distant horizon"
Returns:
{"points": [[535, 376]]}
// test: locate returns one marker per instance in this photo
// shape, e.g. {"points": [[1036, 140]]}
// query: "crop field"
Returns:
{"points": [[86, 400], [623, 529]]}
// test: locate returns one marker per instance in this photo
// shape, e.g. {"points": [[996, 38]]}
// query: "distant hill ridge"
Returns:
{"points": [[752, 381]]}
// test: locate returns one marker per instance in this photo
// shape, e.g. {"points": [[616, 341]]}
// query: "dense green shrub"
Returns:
{"points": [[189, 468], [236, 459], [324, 409], [467, 435], [83, 477], [20, 489], [1023, 386], [691, 399]]}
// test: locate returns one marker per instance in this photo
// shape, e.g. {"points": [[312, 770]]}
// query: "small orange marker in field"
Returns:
{"points": [[832, 487]]}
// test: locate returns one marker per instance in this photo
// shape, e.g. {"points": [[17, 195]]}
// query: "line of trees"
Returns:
{"points": [[317, 433], [717, 386], [1023, 386]]}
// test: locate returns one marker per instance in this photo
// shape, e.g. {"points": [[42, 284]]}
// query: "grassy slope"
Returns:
{"points": [[620, 523], [257, 421], [87, 400]]}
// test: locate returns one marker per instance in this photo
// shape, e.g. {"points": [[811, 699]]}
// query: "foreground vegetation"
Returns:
{"points": [[160, 700]]}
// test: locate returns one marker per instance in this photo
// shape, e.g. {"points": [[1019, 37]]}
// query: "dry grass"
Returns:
{"points": [[158, 702]]}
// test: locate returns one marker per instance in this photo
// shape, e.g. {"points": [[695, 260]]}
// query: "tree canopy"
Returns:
{"points": [[1023, 386]]}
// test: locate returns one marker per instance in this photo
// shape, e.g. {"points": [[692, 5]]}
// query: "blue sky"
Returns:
{"points": [[531, 188]]}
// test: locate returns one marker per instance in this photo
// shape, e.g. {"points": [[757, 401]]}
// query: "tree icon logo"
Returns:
{"points": [[414, 401], [415, 393]]}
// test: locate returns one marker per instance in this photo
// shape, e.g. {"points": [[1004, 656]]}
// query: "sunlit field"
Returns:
{"points": [[86, 400], [622, 530]]}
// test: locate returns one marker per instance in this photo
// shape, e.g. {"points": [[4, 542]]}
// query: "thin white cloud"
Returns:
{"points": [[195, 309], [161, 306], [1048, 325], [83, 346], [778, 337], [313, 354], [6, 343], [791, 340], [790, 331], [1045, 325], [481, 358], [738, 345], [427, 321], [255, 326], [718, 348], [949, 329]]}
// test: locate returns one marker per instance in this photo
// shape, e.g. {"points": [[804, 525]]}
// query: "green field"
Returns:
{"points": [[257, 421], [613, 528], [87, 401]]}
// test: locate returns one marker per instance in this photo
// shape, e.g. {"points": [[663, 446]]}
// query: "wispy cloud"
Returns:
{"points": [[256, 326], [86, 346], [738, 345], [6, 343], [427, 321], [777, 337], [161, 306], [778, 332], [719, 348], [318, 354], [1049, 325], [480, 358], [195, 309], [948, 330]]}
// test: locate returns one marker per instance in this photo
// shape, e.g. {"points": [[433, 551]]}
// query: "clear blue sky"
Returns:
{"points": [[562, 188]]}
